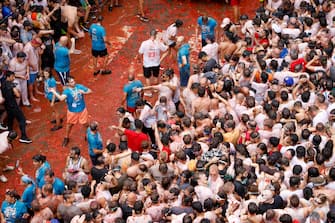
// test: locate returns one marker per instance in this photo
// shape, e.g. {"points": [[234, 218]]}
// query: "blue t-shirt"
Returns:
{"points": [[97, 33], [49, 83], [132, 96], [58, 186], [207, 29], [40, 172], [74, 99], [94, 141], [62, 58], [13, 211], [184, 50], [28, 195]]}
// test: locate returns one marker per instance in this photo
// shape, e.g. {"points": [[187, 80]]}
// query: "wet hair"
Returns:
{"points": [[76, 150], [286, 113], [123, 145], [294, 181], [252, 208], [305, 133], [201, 91], [85, 191], [197, 206], [135, 156], [208, 204], [111, 147], [313, 172], [297, 169], [332, 173], [307, 193], [100, 160], [138, 124], [187, 219], [39, 158], [274, 141], [301, 152], [305, 96], [285, 218], [49, 173], [138, 207], [284, 95]]}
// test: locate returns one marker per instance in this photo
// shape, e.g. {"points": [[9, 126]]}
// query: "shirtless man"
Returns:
{"points": [[71, 15], [202, 103], [48, 199]]}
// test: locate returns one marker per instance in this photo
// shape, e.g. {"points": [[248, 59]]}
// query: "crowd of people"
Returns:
{"points": [[244, 134]]}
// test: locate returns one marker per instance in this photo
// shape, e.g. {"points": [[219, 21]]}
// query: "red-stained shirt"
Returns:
{"points": [[135, 139], [297, 62]]}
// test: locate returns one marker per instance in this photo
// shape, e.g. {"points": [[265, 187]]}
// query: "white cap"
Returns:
{"points": [[225, 22]]}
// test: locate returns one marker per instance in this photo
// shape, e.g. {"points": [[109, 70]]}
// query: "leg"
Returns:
{"points": [[95, 65], [22, 123], [36, 89], [143, 18], [3, 115], [31, 87], [24, 92], [155, 74], [147, 75], [10, 119], [56, 114], [62, 77], [140, 6], [87, 13], [68, 130], [236, 13], [22, 85]]}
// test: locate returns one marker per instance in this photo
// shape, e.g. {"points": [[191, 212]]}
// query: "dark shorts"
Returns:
{"points": [[150, 71], [99, 53], [172, 45]]}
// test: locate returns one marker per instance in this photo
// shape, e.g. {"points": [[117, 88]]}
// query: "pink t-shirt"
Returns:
{"points": [[32, 57]]}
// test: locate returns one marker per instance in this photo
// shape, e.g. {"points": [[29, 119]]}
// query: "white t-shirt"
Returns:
{"points": [[171, 31], [18, 68], [151, 50], [212, 50], [4, 145], [146, 117], [322, 117]]}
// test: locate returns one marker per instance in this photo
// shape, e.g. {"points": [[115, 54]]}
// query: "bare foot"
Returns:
{"points": [[34, 99], [39, 92]]}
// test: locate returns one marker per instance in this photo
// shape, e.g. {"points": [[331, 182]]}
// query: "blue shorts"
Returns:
{"points": [[32, 78]]}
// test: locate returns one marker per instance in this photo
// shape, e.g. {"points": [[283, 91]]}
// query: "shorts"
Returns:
{"points": [[151, 71], [63, 76], [172, 45], [184, 75], [99, 53], [77, 117], [131, 110], [32, 78]]}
